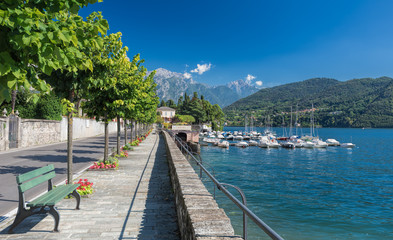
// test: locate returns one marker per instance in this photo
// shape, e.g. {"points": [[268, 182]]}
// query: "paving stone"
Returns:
{"points": [[134, 202]]}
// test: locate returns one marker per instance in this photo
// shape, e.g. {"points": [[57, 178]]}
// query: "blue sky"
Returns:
{"points": [[271, 42]]}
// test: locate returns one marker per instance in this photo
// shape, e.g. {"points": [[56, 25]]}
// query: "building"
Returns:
{"points": [[167, 113]]}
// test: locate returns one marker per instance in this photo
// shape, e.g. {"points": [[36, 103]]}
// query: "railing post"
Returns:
{"points": [[245, 204]]}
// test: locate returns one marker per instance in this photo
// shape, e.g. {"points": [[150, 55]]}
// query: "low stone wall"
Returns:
{"points": [[37, 132], [199, 216], [32, 132]]}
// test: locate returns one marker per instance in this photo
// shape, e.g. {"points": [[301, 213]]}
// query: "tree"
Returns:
{"points": [[38, 37], [170, 103], [71, 82], [108, 85]]}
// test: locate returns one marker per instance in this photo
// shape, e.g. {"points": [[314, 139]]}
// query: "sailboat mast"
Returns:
{"points": [[245, 123], [312, 119], [296, 118], [290, 125]]}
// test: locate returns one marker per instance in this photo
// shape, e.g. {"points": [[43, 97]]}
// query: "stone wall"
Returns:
{"points": [[199, 216], [3, 134], [32, 132], [37, 132]]}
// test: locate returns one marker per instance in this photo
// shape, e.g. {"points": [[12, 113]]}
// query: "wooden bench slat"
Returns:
{"points": [[35, 173], [67, 190], [54, 196], [36, 181], [43, 199]]}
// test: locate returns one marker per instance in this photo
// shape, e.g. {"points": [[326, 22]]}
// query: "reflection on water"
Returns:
{"points": [[333, 193]]}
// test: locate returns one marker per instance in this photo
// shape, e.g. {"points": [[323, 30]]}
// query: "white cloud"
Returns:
{"points": [[258, 83], [201, 68], [249, 78], [187, 75]]}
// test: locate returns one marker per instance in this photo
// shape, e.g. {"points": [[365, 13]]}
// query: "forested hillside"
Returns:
{"points": [[363, 102]]}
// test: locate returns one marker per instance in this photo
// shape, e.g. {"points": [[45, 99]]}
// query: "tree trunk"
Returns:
{"points": [[118, 135], [69, 141], [137, 128], [106, 140], [125, 131], [13, 100], [132, 130]]}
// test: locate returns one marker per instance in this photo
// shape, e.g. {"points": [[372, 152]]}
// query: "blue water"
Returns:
{"points": [[333, 193]]}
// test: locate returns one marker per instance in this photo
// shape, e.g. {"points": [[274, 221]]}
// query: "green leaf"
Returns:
{"points": [[64, 36], [17, 74], [5, 68], [26, 84], [5, 94], [26, 40], [12, 84], [51, 37], [47, 69]]}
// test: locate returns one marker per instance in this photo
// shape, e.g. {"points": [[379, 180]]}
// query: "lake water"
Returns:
{"points": [[333, 193]]}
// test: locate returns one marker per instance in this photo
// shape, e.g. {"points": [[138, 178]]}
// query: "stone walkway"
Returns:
{"points": [[133, 202]]}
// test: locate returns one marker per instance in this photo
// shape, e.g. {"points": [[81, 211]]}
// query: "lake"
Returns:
{"points": [[333, 193]]}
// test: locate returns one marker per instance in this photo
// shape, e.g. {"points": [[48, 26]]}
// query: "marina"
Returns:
{"points": [[267, 140], [312, 193]]}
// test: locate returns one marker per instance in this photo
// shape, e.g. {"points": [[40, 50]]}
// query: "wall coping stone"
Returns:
{"points": [[199, 216]]}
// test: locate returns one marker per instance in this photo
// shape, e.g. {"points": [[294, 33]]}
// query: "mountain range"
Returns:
{"points": [[366, 102], [172, 85]]}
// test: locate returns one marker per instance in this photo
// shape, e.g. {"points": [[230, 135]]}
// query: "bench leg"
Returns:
{"points": [[20, 216], [77, 197], [53, 211]]}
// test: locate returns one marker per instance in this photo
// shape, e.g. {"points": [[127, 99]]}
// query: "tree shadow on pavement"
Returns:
{"points": [[159, 219]]}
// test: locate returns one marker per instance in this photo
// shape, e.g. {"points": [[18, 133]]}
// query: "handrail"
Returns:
{"points": [[262, 225], [245, 204]]}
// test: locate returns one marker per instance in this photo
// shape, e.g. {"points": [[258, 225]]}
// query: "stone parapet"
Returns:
{"points": [[198, 214]]}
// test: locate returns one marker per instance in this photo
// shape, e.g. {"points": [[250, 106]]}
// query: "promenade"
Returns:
{"points": [[133, 202]]}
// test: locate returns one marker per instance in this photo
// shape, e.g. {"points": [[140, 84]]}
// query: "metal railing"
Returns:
{"points": [[222, 187]]}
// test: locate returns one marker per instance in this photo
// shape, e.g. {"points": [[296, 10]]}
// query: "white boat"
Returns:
{"points": [[220, 136], [332, 142], [288, 144], [238, 138], [347, 145], [320, 144], [252, 143], [298, 143], [223, 144], [210, 140], [273, 144], [263, 142], [229, 137], [242, 144], [308, 144]]}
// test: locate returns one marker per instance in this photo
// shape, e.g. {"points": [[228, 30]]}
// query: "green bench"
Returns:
{"points": [[45, 203]]}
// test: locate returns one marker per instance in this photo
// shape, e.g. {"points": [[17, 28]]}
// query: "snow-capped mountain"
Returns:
{"points": [[172, 85]]}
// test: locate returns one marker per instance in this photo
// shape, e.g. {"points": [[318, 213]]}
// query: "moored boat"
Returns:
{"points": [[332, 142], [252, 143], [242, 144], [347, 145], [287, 144], [223, 144]]}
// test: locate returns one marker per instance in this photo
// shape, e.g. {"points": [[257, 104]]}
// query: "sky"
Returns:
{"points": [[267, 43]]}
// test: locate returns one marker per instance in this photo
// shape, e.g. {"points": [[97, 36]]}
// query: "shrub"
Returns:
{"points": [[49, 107]]}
